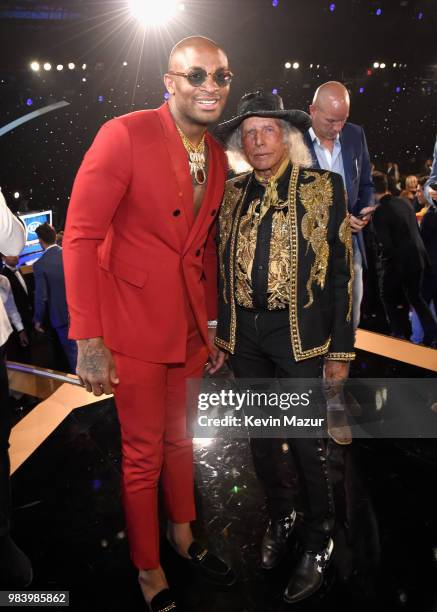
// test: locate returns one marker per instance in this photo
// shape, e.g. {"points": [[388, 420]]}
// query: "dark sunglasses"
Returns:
{"points": [[197, 76]]}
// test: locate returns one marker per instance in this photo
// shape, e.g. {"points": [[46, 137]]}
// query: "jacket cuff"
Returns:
{"points": [[340, 356]]}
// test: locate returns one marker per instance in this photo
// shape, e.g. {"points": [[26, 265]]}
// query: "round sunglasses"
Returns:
{"points": [[197, 76]]}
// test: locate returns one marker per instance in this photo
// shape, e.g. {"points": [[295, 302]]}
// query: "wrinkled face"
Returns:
{"points": [[329, 120], [10, 260], [198, 105], [263, 143]]}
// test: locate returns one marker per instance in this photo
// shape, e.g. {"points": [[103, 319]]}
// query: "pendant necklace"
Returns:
{"points": [[196, 157]]}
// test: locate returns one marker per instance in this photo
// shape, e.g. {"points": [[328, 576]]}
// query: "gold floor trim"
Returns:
{"points": [[398, 350], [36, 426]]}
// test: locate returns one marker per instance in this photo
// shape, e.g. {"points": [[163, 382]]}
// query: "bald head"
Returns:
{"points": [[200, 102], [330, 110], [185, 48]]}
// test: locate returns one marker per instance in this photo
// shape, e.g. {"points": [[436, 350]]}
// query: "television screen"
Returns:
{"points": [[32, 249]]}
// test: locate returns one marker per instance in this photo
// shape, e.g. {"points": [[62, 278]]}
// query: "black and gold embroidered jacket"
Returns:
{"points": [[320, 269]]}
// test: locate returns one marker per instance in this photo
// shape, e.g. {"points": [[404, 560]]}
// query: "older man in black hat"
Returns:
{"points": [[285, 255]]}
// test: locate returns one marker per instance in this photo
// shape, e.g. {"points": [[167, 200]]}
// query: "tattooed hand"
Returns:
{"points": [[95, 366], [335, 373]]}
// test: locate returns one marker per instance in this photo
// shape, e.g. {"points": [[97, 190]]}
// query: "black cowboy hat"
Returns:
{"points": [[262, 104]]}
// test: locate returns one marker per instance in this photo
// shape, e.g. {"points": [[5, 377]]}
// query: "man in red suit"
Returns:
{"points": [[140, 223]]}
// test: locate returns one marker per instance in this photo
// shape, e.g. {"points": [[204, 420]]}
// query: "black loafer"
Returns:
{"points": [[210, 566], [275, 541], [163, 602], [308, 575]]}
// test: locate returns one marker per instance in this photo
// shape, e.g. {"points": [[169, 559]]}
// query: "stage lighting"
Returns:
{"points": [[287, 65], [275, 92], [72, 65], [124, 63], [361, 90], [275, 3], [376, 64], [296, 65], [16, 195], [47, 66], [29, 101], [34, 66], [83, 66], [332, 7], [379, 12], [153, 12], [394, 65], [59, 67], [382, 65]]}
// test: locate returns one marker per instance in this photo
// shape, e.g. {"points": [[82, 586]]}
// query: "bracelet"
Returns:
{"points": [[212, 324]]}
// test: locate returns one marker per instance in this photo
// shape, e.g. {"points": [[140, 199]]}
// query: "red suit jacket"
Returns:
{"points": [[133, 251]]}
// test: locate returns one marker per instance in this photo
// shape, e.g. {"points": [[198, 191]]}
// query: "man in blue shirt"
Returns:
{"points": [[339, 146]]}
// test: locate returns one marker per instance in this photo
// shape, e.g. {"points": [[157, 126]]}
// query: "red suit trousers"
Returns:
{"points": [[151, 406]]}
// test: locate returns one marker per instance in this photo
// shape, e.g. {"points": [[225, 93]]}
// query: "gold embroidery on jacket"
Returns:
{"points": [[230, 199], [246, 245], [296, 343], [316, 198], [278, 287], [345, 235]]}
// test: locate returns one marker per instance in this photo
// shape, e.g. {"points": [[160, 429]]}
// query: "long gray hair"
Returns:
{"points": [[298, 151]]}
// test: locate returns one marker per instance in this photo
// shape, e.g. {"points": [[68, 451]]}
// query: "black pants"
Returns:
{"points": [[5, 429], [263, 350], [410, 285]]}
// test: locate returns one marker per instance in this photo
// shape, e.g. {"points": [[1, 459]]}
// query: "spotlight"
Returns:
{"points": [[83, 66], [34, 66], [16, 195], [287, 65], [420, 15], [398, 89], [296, 65], [332, 7], [47, 66], [275, 92], [100, 98], [361, 90], [72, 65], [311, 65], [151, 13], [382, 65], [275, 3], [84, 80], [394, 65], [59, 67], [29, 102], [124, 63], [376, 64], [379, 12]]}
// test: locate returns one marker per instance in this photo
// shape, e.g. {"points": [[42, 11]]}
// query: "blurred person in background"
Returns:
{"points": [[50, 291], [15, 567]]}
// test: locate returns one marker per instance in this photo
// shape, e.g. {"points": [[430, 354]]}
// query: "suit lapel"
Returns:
{"points": [[347, 154], [179, 162], [211, 200]]}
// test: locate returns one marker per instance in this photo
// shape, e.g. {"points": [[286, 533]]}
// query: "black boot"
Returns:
{"points": [[308, 575], [275, 540]]}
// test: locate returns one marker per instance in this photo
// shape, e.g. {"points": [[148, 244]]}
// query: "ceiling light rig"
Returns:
{"points": [[155, 13]]}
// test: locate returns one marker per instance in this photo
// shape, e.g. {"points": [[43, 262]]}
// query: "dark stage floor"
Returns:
{"points": [[67, 517]]}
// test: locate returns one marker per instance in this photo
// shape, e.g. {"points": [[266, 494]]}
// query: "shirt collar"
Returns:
{"points": [[315, 138], [51, 246]]}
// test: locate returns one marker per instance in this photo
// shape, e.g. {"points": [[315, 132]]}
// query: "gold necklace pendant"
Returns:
{"points": [[196, 158]]}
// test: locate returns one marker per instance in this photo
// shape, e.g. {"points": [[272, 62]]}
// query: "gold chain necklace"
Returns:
{"points": [[196, 157]]}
